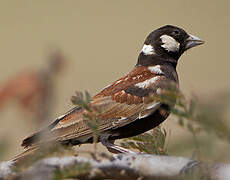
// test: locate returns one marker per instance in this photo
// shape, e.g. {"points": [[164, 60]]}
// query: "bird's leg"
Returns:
{"points": [[115, 148]]}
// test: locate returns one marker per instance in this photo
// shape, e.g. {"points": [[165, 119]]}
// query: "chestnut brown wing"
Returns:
{"points": [[116, 107]]}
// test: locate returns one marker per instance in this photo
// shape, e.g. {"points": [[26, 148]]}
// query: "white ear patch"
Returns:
{"points": [[169, 43], [148, 50]]}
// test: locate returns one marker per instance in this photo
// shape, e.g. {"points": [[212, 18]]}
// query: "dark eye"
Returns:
{"points": [[176, 33]]}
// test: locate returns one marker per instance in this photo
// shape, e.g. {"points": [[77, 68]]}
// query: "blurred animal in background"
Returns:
{"points": [[33, 90]]}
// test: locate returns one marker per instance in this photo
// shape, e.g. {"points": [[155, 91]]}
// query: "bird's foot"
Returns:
{"points": [[115, 148]]}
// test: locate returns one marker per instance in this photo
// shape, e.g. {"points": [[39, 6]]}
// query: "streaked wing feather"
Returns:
{"points": [[117, 108], [114, 115]]}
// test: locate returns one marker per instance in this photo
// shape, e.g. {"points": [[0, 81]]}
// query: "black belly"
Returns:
{"points": [[135, 128], [140, 125]]}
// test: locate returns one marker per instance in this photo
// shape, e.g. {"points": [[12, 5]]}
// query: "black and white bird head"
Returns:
{"points": [[167, 42]]}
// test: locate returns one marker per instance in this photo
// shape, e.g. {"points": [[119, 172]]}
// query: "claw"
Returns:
{"points": [[115, 148]]}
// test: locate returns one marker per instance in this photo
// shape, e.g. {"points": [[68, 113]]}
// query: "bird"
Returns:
{"points": [[125, 106]]}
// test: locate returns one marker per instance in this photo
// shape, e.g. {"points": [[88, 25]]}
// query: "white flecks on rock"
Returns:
{"points": [[147, 83], [63, 161], [148, 49], [155, 69], [169, 43], [5, 169]]}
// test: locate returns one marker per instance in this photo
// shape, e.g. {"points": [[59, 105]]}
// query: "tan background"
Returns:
{"points": [[102, 39]]}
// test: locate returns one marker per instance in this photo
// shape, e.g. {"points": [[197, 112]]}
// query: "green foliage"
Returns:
{"points": [[82, 100], [192, 114], [91, 117], [201, 116], [152, 142], [197, 116]]}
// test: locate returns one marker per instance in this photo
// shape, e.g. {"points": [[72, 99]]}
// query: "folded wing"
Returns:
{"points": [[121, 103]]}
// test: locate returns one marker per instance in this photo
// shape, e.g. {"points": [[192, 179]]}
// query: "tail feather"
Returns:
{"points": [[36, 137], [31, 139], [25, 154]]}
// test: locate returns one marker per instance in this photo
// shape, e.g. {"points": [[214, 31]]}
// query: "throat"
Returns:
{"points": [[151, 60]]}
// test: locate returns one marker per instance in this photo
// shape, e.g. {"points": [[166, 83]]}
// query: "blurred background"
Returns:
{"points": [[99, 41]]}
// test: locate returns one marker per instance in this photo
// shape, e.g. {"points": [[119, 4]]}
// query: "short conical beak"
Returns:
{"points": [[193, 41]]}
